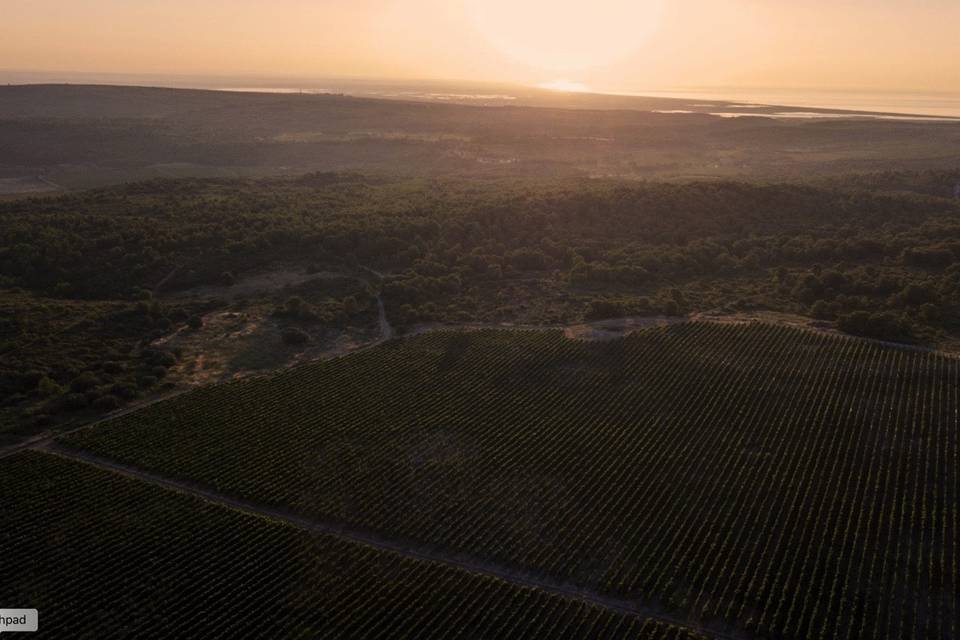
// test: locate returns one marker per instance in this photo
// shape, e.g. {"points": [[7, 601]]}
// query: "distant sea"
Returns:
{"points": [[930, 103], [914, 103]]}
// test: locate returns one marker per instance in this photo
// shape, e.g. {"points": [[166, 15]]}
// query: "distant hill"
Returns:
{"points": [[81, 136]]}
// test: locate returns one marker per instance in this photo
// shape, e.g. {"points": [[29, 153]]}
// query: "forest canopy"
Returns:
{"points": [[92, 279]]}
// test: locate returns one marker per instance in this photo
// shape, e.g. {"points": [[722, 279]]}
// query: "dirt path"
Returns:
{"points": [[590, 331], [403, 547], [386, 331], [44, 439]]}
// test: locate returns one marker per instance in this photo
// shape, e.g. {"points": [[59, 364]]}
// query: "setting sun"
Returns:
{"points": [[564, 86], [566, 35]]}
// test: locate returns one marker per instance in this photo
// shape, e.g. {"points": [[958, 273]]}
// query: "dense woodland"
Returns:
{"points": [[90, 279]]}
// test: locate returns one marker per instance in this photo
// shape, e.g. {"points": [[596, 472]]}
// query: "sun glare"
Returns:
{"points": [[564, 86], [565, 35]]}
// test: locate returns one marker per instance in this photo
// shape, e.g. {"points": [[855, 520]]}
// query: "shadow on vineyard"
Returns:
{"points": [[247, 575], [766, 481]]}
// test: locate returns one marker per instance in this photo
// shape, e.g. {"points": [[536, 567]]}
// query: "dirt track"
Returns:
{"points": [[407, 548]]}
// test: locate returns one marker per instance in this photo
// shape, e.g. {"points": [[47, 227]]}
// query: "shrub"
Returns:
{"points": [[930, 312], [112, 366], [48, 388], [294, 336], [125, 391], [84, 382], [822, 310], [916, 294], [605, 308], [351, 305], [882, 326], [671, 308], [160, 358], [30, 379], [928, 257], [294, 305], [526, 259], [195, 322], [12, 400], [74, 401], [108, 402], [42, 420]]}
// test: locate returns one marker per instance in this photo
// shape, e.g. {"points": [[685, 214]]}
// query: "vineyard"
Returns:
{"points": [[755, 478], [103, 556]]}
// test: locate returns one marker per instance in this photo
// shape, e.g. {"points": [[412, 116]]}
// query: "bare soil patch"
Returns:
{"points": [[617, 327], [270, 281]]}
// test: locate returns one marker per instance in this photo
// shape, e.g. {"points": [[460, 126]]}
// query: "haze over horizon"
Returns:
{"points": [[606, 45]]}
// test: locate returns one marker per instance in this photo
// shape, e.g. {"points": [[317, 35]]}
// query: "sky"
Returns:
{"points": [[611, 45]]}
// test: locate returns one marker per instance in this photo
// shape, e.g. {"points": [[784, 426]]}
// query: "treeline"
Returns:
{"points": [[451, 244]]}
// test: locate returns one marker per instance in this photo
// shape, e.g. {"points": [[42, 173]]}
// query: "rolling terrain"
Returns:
{"points": [[768, 481], [73, 137], [161, 564]]}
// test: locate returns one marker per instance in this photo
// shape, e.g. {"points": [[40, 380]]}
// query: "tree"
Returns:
{"points": [[351, 305], [294, 336], [108, 402], [48, 388], [84, 382], [882, 326]]}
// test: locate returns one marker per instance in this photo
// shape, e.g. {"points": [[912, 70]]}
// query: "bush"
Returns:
{"points": [[42, 420], [882, 326], [294, 305], [351, 305], [928, 257], [74, 401], [821, 310], [916, 295], [108, 402], [294, 336], [125, 391], [30, 379], [671, 308], [84, 382], [605, 308], [12, 400], [111, 366], [195, 322], [147, 381], [160, 358], [48, 388], [930, 312], [527, 259]]}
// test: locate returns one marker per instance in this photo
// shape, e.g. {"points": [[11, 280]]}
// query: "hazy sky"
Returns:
{"points": [[609, 44]]}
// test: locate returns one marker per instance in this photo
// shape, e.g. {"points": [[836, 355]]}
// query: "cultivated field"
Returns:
{"points": [[758, 480], [103, 556]]}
